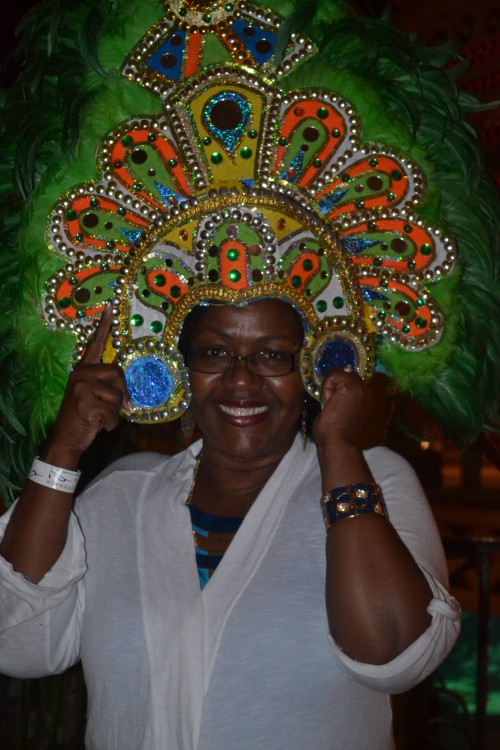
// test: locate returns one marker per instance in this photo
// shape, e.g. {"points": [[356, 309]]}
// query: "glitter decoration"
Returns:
{"points": [[336, 353], [149, 382], [238, 190], [226, 116]]}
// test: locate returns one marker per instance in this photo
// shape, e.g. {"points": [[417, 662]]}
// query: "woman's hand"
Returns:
{"points": [[94, 396], [37, 531], [344, 401]]}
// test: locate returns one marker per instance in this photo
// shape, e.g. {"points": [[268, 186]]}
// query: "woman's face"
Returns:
{"points": [[242, 415]]}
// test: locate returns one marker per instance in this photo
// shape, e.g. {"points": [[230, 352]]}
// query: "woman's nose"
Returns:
{"points": [[239, 372]]}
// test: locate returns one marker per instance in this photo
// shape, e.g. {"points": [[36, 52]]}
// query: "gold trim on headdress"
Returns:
{"points": [[242, 191]]}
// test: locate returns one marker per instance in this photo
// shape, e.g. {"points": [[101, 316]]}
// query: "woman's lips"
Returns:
{"points": [[243, 416]]}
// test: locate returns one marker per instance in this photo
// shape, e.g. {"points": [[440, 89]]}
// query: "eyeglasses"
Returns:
{"points": [[269, 363]]}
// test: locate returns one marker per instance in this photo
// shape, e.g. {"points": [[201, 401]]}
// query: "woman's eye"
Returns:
{"points": [[215, 353], [273, 355]]}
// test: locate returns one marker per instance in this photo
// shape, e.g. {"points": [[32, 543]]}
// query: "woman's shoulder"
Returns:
{"points": [[136, 469]]}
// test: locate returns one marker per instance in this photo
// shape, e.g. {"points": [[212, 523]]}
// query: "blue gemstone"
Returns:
{"points": [[337, 353], [149, 382]]}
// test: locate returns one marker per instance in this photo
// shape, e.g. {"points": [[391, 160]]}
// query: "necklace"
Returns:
{"points": [[195, 474]]}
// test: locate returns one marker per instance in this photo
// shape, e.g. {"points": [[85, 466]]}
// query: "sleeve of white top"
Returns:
{"points": [[410, 514], [40, 623]]}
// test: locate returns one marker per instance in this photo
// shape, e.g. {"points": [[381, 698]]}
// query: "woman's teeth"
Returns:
{"points": [[241, 411]]}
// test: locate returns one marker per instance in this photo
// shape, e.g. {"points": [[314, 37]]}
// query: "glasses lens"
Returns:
{"points": [[271, 363], [209, 360]]}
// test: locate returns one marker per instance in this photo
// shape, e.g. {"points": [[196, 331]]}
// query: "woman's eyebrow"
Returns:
{"points": [[259, 339]]}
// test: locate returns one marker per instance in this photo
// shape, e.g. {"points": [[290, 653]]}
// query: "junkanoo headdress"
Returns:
{"points": [[233, 164], [240, 190]]}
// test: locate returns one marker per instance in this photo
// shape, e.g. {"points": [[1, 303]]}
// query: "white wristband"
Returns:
{"points": [[54, 477]]}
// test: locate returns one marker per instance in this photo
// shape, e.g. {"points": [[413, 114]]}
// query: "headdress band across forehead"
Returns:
{"points": [[242, 190]]}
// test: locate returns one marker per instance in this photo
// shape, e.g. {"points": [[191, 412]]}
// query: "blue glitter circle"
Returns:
{"points": [[149, 382], [337, 353]]}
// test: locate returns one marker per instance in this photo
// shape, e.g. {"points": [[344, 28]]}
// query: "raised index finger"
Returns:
{"points": [[95, 348]]}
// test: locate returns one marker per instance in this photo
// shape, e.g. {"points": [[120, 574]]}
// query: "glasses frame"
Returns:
{"points": [[292, 357]]}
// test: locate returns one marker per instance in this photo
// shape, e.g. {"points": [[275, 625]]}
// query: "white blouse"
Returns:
{"points": [[245, 664]]}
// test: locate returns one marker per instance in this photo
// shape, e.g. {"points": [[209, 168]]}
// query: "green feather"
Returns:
{"points": [[70, 93]]}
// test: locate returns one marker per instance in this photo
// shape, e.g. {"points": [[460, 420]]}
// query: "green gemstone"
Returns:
{"points": [[396, 175], [80, 313], [338, 302], [391, 196], [346, 177], [359, 203], [372, 225], [426, 249], [156, 326], [105, 266], [71, 215], [382, 314], [411, 265], [283, 141], [151, 137], [321, 305], [182, 11], [296, 282], [216, 158], [64, 302], [246, 152], [234, 275], [110, 244], [420, 302], [175, 291], [94, 202], [322, 113], [233, 254], [421, 323], [373, 163], [160, 280], [207, 17], [79, 237], [122, 211], [138, 185], [317, 163], [408, 228], [406, 328], [207, 140], [252, 134], [127, 141], [384, 283], [229, 7], [172, 162], [308, 265], [137, 320], [73, 280], [336, 133], [377, 261]]}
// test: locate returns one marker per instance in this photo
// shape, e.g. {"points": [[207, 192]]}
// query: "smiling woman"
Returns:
{"points": [[249, 421], [237, 249]]}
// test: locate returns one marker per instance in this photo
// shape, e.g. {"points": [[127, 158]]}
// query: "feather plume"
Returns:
{"points": [[70, 92]]}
